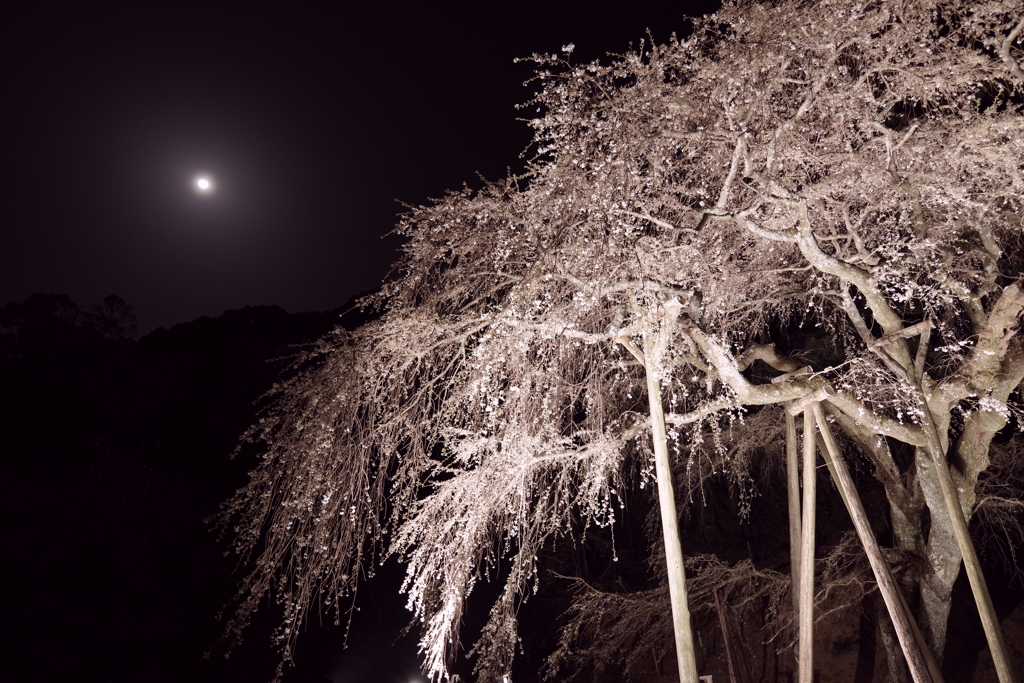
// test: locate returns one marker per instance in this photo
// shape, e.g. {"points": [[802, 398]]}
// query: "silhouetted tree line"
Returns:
{"points": [[115, 449]]}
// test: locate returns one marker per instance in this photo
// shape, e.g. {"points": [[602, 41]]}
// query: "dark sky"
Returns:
{"points": [[312, 120]]}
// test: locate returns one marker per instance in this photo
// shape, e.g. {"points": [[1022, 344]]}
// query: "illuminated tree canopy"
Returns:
{"points": [[692, 211]]}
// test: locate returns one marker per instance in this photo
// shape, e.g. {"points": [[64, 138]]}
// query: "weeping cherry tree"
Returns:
{"points": [[692, 211]]}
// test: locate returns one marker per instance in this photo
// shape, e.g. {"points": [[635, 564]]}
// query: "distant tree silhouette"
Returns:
{"points": [[42, 321], [113, 455], [113, 319]]}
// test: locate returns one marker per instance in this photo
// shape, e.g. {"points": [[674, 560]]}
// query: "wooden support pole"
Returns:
{"points": [[793, 489], [982, 598], [685, 652], [917, 660], [725, 636], [806, 657]]}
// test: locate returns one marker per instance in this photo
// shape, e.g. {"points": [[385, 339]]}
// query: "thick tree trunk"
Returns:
{"points": [[942, 559], [906, 514], [955, 513], [935, 447]]}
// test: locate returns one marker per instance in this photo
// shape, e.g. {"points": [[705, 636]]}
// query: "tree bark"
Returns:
{"points": [[892, 350], [942, 558]]}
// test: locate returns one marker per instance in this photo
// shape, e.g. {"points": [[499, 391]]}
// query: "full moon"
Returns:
{"points": [[204, 184]]}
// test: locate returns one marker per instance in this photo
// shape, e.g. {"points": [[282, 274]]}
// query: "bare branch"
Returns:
{"points": [[1004, 52]]}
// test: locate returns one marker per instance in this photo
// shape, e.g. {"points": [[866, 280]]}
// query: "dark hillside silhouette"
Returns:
{"points": [[114, 451]]}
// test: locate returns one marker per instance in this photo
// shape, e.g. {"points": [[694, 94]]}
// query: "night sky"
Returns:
{"points": [[311, 120]]}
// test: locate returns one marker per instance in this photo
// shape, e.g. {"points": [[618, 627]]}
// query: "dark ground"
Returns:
{"points": [[114, 453], [116, 450]]}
